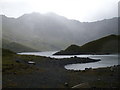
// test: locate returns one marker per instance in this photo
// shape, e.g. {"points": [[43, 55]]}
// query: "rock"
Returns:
{"points": [[99, 79], [31, 62], [14, 73], [86, 69], [75, 56], [66, 84], [111, 69], [82, 85], [90, 68]]}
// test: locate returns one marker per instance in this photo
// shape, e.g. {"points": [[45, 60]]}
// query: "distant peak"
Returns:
{"points": [[33, 14], [3, 15], [73, 46], [51, 13], [113, 35]]}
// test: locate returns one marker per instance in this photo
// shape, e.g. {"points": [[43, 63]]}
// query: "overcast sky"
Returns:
{"points": [[82, 10]]}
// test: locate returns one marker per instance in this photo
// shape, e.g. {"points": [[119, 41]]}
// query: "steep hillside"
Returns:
{"points": [[16, 47], [6, 52], [105, 45], [53, 32]]}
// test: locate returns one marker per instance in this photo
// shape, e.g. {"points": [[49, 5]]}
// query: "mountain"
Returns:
{"points": [[6, 52], [53, 32], [105, 45], [16, 47]]}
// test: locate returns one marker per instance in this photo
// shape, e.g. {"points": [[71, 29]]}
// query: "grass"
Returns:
{"points": [[105, 45], [47, 74], [9, 64]]}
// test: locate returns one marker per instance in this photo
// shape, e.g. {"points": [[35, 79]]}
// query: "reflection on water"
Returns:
{"points": [[106, 60]]}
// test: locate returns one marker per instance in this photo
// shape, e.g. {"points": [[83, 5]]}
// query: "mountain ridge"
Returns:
{"points": [[15, 47], [104, 45], [47, 33]]}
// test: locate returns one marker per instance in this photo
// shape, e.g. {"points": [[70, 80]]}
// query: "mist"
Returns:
{"points": [[54, 32]]}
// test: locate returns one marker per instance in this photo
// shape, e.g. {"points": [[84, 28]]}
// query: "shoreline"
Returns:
{"points": [[90, 68], [50, 73]]}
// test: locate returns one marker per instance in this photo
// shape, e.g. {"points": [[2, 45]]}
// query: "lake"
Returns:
{"points": [[106, 60]]}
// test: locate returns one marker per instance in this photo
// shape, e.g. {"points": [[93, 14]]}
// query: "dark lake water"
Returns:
{"points": [[106, 60]]}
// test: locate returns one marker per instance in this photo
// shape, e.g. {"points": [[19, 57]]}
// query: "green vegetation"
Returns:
{"points": [[105, 45], [108, 44], [16, 47], [32, 32], [6, 52], [36, 31], [9, 64], [50, 73]]}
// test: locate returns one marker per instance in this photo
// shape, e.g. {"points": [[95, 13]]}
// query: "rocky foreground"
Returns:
{"points": [[50, 73]]}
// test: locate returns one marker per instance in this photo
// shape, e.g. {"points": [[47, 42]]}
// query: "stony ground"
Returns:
{"points": [[50, 73]]}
